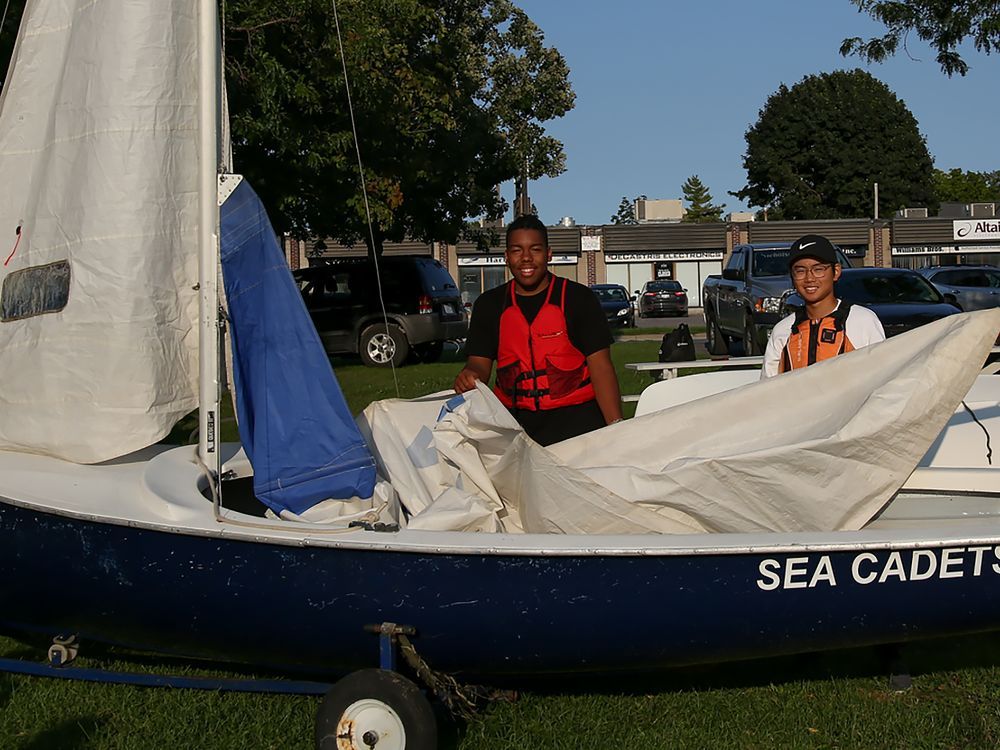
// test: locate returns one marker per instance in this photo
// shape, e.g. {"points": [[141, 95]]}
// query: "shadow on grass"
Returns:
{"points": [[6, 690], [72, 734], [915, 658]]}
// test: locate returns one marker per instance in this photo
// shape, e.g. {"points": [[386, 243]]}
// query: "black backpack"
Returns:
{"points": [[677, 345]]}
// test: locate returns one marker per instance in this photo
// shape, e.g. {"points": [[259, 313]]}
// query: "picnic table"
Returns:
{"points": [[669, 369]]}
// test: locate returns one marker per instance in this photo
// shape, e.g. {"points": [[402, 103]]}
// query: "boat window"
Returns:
{"points": [[35, 291]]}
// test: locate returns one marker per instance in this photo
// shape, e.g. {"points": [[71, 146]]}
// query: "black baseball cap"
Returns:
{"points": [[813, 246]]}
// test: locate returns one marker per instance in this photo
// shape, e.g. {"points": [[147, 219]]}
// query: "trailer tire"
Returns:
{"points": [[375, 708]]}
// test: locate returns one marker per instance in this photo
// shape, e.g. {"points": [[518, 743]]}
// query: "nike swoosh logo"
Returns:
{"points": [[808, 244]]}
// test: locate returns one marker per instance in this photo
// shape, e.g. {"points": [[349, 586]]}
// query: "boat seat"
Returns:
{"points": [[674, 391]]}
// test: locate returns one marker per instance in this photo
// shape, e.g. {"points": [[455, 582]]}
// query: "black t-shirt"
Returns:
{"points": [[587, 329]]}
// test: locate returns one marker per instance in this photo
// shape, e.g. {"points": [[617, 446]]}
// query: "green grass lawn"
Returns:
{"points": [[836, 700]]}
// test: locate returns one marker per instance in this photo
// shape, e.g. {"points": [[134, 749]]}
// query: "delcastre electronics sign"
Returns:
{"points": [[976, 229], [652, 256]]}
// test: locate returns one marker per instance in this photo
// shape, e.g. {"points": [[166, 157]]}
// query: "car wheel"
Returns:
{"points": [[751, 347], [383, 346], [429, 352], [715, 341]]}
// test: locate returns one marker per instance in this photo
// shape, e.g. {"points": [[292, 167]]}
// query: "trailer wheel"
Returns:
{"points": [[375, 709]]}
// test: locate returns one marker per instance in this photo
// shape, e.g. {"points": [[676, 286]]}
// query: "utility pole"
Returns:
{"points": [[522, 203]]}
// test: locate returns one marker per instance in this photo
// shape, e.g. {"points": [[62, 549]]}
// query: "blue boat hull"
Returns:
{"points": [[481, 615]]}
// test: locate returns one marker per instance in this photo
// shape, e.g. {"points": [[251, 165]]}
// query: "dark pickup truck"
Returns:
{"points": [[744, 303]]}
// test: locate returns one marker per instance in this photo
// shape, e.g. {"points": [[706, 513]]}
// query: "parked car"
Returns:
{"points": [[616, 303], [422, 304], [745, 301], [902, 299], [662, 298], [967, 287]]}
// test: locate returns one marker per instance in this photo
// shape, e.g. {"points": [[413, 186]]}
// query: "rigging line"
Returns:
{"points": [[989, 448], [364, 191], [3, 20]]}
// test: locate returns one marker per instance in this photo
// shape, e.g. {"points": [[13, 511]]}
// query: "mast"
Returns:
{"points": [[208, 234]]}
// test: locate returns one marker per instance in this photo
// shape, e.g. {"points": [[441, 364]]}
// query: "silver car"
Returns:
{"points": [[966, 287]]}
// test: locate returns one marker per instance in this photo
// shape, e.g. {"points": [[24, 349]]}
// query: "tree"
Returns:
{"points": [[449, 101], [957, 186], [626, 211], [818, 147], [943, 23], [700, 209]]}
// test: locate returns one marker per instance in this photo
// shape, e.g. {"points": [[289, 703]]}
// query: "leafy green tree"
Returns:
{"points": [[945, 24], [700, 208], [626, 211], [449, 101], [958, 186], [818, 147]]}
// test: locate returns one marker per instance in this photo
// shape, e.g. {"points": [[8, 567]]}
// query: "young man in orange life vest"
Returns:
{"points": [[551, 343], [826, 327]]}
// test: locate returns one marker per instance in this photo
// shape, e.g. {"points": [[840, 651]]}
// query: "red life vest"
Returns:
{"points": [[813, 341], [537, 365]]}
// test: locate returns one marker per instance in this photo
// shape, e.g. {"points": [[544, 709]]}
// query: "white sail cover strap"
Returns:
{"points": [[99, 165]]}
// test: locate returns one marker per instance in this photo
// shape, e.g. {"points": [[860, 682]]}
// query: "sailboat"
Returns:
{"points": [[119, 220]]}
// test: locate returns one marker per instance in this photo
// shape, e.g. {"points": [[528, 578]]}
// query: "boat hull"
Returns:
{"points": [[488, 615]]}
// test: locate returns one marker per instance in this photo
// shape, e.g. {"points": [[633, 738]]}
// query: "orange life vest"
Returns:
{"points": [[813, 341], [537, 365]]}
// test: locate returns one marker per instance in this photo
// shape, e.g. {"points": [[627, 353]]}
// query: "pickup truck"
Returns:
{"points": [[744, 303]]}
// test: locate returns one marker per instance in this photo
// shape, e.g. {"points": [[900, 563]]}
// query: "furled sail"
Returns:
{"points": [[98, 227], [294, 424]]}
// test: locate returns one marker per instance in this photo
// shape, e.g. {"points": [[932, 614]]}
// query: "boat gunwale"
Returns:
{"points": [[539, 545]]}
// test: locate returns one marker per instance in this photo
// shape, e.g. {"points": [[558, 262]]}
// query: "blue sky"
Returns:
{"points": [[638, 66]]}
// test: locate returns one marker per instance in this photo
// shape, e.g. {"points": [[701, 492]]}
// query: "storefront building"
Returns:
{"points": [[940, 241], [636, 253]]}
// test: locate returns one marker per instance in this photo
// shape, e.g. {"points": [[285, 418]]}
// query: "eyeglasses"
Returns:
{"points": [[818, 271]]}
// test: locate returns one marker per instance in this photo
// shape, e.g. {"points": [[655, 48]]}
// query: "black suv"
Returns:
{"points": [[422, 304]]}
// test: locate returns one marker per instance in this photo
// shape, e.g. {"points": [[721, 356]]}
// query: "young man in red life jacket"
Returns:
{"points": [[826, 327], [551, 343]]}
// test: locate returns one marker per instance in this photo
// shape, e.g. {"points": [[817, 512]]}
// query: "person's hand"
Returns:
{"points": [[466, 380]]}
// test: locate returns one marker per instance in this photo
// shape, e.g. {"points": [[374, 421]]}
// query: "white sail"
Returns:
{"points": [[99, 173]]}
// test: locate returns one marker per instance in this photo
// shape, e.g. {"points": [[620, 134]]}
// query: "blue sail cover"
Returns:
{"points": [[295, 426]]}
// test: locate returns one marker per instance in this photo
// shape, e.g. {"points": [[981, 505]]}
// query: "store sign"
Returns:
{"points": [[944, 249], [499, 260], [653, 257], [921, 249], [972, 230], [590, 243]]}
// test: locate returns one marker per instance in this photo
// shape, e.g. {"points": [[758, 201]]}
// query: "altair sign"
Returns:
{"points": [[976, 229]]}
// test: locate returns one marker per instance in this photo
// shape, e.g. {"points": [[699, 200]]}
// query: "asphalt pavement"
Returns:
{"points": [[694, 318]]}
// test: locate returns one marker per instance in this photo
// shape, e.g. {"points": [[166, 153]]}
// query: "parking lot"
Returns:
{"points": [[694, 318]]}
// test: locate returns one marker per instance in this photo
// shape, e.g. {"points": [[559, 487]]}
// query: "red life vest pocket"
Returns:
{"points": [[565, 374], [507, 376]]}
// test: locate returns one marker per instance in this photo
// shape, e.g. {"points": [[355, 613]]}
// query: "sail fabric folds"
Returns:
{"points": [[99, 168], [818, 449], [294, 424]]}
